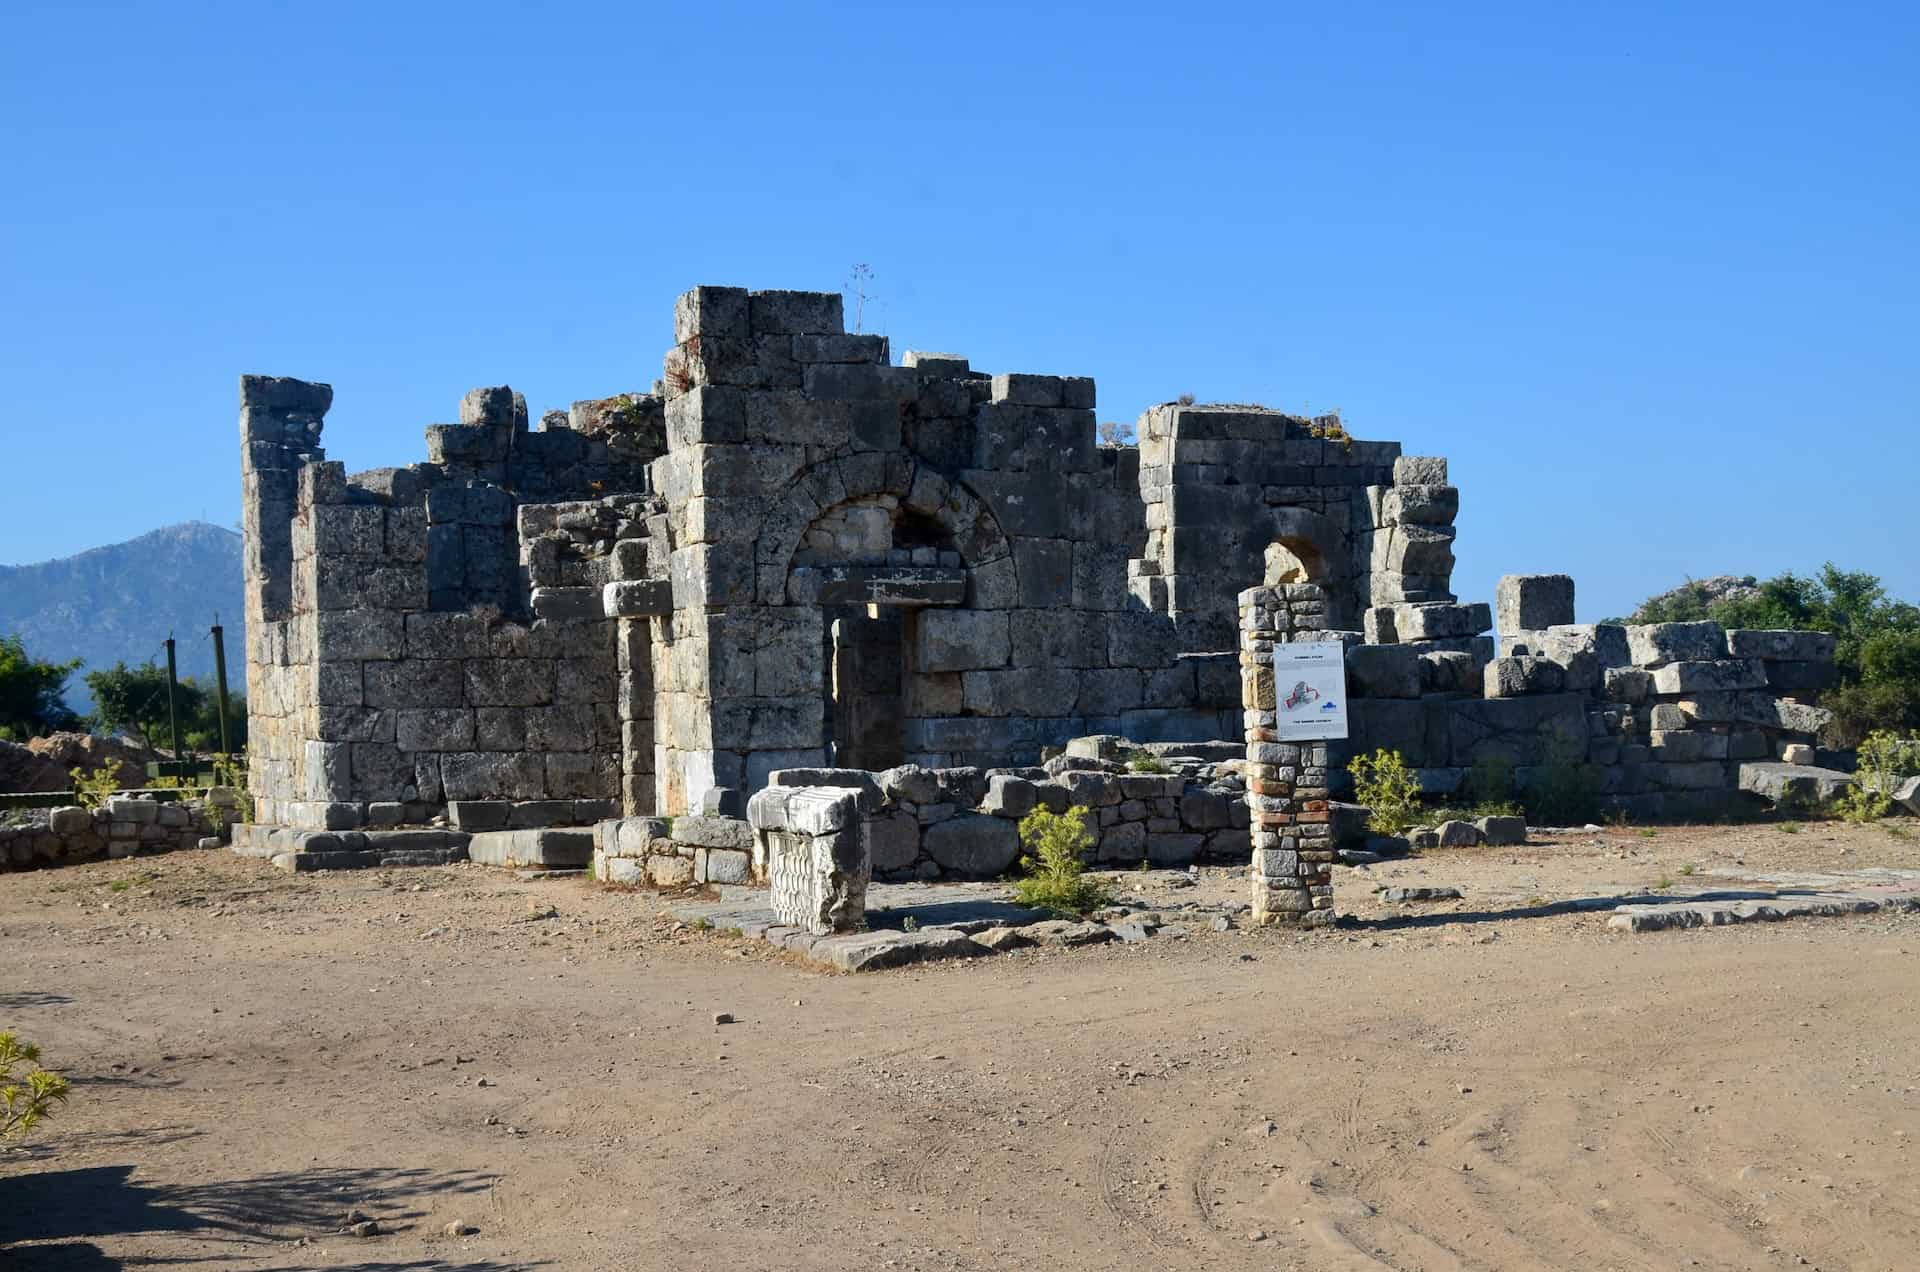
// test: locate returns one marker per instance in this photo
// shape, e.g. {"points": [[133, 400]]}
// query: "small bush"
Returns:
{"points": [[1859, 805], [1055, 879], [1884, 760], [91, 790], [27, 1091], [1383, 782], [1146, 762]]}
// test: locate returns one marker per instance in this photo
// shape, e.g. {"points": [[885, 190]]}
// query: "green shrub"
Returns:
{"points": [[1886, 760], [27, 1091], [1859, 805], [1383, 782], [1146, 762], [1055, 878], [1877, 639], [93, 789]]}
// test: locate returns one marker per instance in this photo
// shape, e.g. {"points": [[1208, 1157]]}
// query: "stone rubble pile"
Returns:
{"points": [[123, 826]]}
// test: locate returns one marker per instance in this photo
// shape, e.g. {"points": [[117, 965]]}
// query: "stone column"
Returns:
{"points": [[1292, 872]]}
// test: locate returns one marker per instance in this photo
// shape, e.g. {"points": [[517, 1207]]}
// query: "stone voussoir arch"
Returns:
{"points": [[830, 484]]}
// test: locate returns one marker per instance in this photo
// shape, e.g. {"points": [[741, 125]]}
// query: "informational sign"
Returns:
{"points": [[1309, 691]]}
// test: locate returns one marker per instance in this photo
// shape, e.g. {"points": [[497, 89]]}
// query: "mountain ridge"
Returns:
{"points": [[118, 602]]}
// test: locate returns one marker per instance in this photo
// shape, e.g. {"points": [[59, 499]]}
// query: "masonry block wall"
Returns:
{"points": [[794, 553], [405, 655]]}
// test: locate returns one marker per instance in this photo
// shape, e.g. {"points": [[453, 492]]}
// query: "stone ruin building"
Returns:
{"points": [[794, 564]]}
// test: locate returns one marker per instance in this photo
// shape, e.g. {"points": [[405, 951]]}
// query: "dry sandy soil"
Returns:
{"points": [[1475, 1085]]}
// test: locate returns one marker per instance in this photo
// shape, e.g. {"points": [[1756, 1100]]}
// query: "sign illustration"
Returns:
{"points": [[1310, 691]]}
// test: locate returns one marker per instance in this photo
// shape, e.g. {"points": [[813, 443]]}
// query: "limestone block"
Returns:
{"points": [[1719, 676], [70, 820], [1626, 685], [725, 832], [1796, 753], [1502, 832], [1440, 620], [975, 844], [961, 640], [1605, 643], [669, 872], [711, 311], [1516, 677], [1795, 785], [1780, 713], [1533, 602], [1045, 568], [1652, 645], [893, 841], [792, 312], [1009, 796], [1413, 549], [1123, 841], [1685, 746], [508, 682], [433, 729], [1419, 470], [1418, 505], [1090, 789], [910, 783], [1383, 671], [1137, 639], [1784, 646], [493, 775], [1202, 809], [857, 780], [129, 808], [1027, 390], [1042, 691], [721, 865]]}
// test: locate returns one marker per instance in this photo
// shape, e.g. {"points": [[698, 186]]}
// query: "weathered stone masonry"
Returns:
{"points": [[792, 554]]}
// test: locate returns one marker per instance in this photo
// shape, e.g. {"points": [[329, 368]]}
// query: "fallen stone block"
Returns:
{"points": [[1793, 785], [1502, 832], [1066, 932], [1401, 895], [1457, 834]]}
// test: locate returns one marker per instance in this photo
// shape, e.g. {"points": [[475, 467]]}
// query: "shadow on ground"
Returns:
{"points": [[58, 1210], [20, 1000], [1551, 909]]}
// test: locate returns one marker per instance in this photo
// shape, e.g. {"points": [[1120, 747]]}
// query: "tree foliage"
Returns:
{"points": [[1877, 640], [134, 700], [30, 692]]}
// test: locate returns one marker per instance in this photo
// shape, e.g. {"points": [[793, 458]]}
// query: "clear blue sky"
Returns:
{"points": [[1647, 273]]}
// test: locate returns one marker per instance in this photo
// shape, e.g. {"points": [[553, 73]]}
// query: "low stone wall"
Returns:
{"points": [[926, 824], [124, 826]]}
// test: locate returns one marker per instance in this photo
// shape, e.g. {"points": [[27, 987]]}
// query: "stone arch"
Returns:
{"points": [[922, 493], [1308, 547]]}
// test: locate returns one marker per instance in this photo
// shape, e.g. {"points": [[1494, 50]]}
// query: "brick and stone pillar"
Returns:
{"points": [[1292, 872]]}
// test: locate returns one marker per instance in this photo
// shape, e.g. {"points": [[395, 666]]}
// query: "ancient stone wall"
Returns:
{"points": [[794, 554], [123, 826], [434, 633]]}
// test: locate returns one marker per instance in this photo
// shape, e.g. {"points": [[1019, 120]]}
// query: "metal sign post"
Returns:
{"points": [[1309, 691]]}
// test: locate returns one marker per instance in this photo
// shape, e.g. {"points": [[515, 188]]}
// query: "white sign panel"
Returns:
{"points": [[1310, 691]]}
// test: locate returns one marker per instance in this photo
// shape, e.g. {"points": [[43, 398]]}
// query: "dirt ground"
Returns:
{"points": [[1482, 1084]]}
